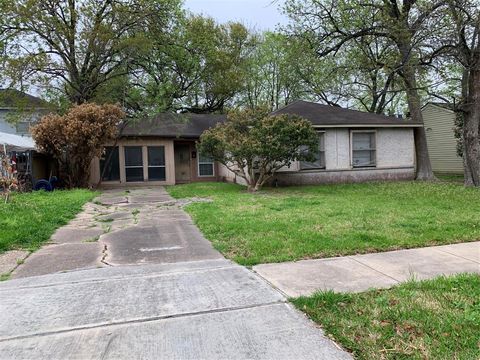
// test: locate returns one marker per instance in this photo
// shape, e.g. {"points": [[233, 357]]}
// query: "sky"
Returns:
{"points": [[257, 14]]}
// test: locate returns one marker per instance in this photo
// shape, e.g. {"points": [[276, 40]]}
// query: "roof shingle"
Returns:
{"points": [[193, 125], [326, 115]]}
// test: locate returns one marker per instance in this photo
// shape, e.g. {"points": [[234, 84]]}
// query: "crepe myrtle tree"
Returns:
{"points": [[254, 145]]}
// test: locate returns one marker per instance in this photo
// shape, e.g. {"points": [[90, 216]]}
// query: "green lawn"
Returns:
{"points": [[321, 221], [456, 178], [434, 319], [29, 219]]}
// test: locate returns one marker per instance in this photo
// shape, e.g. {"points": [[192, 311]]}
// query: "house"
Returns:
{"points": [[160, 151], [354, 146], [439, 121], [18, 111]]}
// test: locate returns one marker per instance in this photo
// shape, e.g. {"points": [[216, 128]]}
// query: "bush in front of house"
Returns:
{"points": [[254, 145], [75, 138]]}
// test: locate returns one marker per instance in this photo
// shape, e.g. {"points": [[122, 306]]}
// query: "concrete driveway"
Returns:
{"points": [[138, 226], [185, 301]]}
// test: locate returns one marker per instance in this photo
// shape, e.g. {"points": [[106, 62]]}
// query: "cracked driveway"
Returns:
{"points": [[138, 226], [185, 301]]}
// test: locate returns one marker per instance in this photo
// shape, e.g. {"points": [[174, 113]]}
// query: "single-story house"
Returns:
{"points": [[354, 146], [439, 121]]}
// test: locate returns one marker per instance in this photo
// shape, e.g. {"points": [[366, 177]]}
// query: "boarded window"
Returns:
{"points": [[205, 166], [363, 149], [156, 163], [319, 162], [133, 163], [109, 162]]}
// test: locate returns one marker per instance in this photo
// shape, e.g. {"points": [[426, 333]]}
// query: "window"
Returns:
{"points": [[22, 127], [205, 166], [133, 163], [112, 168], [319, 162], [363, 149], [156, 163]]}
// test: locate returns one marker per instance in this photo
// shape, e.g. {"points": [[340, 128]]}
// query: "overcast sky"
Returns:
{"points": [[258, 14]]}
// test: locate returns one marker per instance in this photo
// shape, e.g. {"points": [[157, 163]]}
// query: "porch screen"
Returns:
{"points": [[363, 149], [133, 163], [319, 162], [156, 163], [112, 167]]}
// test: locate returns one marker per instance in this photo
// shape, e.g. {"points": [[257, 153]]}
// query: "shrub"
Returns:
{"points": [[254, 145], [75, 138]]}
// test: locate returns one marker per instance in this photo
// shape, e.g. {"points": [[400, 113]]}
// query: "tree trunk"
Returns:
{"points": [[424, 167], [252, 188], [471, 131]]}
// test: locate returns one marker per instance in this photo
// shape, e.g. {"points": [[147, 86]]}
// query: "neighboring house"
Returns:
{"points": [[18, 111], [354, 146], [439, 121]]}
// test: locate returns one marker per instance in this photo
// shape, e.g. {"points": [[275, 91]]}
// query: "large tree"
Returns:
{"points": [[198, 67], [78, 46], [273, 79], [465, 15], [402, 25], [356, 75]]}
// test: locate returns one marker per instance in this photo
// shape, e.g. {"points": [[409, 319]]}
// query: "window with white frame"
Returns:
{"points": [[156, 163], [363, 148], [206, 166], [319, 162]]}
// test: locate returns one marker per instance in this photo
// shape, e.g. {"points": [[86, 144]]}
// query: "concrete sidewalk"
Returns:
{"points": [[379, 270]]}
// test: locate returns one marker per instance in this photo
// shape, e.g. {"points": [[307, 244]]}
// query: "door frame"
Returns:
{"points": [[189, 144]]}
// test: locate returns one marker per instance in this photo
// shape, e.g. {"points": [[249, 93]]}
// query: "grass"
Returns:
{"points": [[29, 219], [434, 319], [456, 178], [282, 224]]}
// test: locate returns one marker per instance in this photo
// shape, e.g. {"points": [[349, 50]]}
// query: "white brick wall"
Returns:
{"points": [[395, 159]]}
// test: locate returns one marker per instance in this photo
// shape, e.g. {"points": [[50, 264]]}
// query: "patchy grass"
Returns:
{"points": [[29, 219], [434, 319], [294, 223], [455, 178]]}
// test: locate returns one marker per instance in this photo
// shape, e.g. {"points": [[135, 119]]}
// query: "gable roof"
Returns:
{"points": [[174, 125], [14, 99], [332, 116]]}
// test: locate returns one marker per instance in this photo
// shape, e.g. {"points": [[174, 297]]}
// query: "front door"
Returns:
{"points": [[182, 163]]}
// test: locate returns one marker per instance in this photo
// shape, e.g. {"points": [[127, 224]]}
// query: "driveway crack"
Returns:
{"points": [[144, 320], [104, 255]]}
